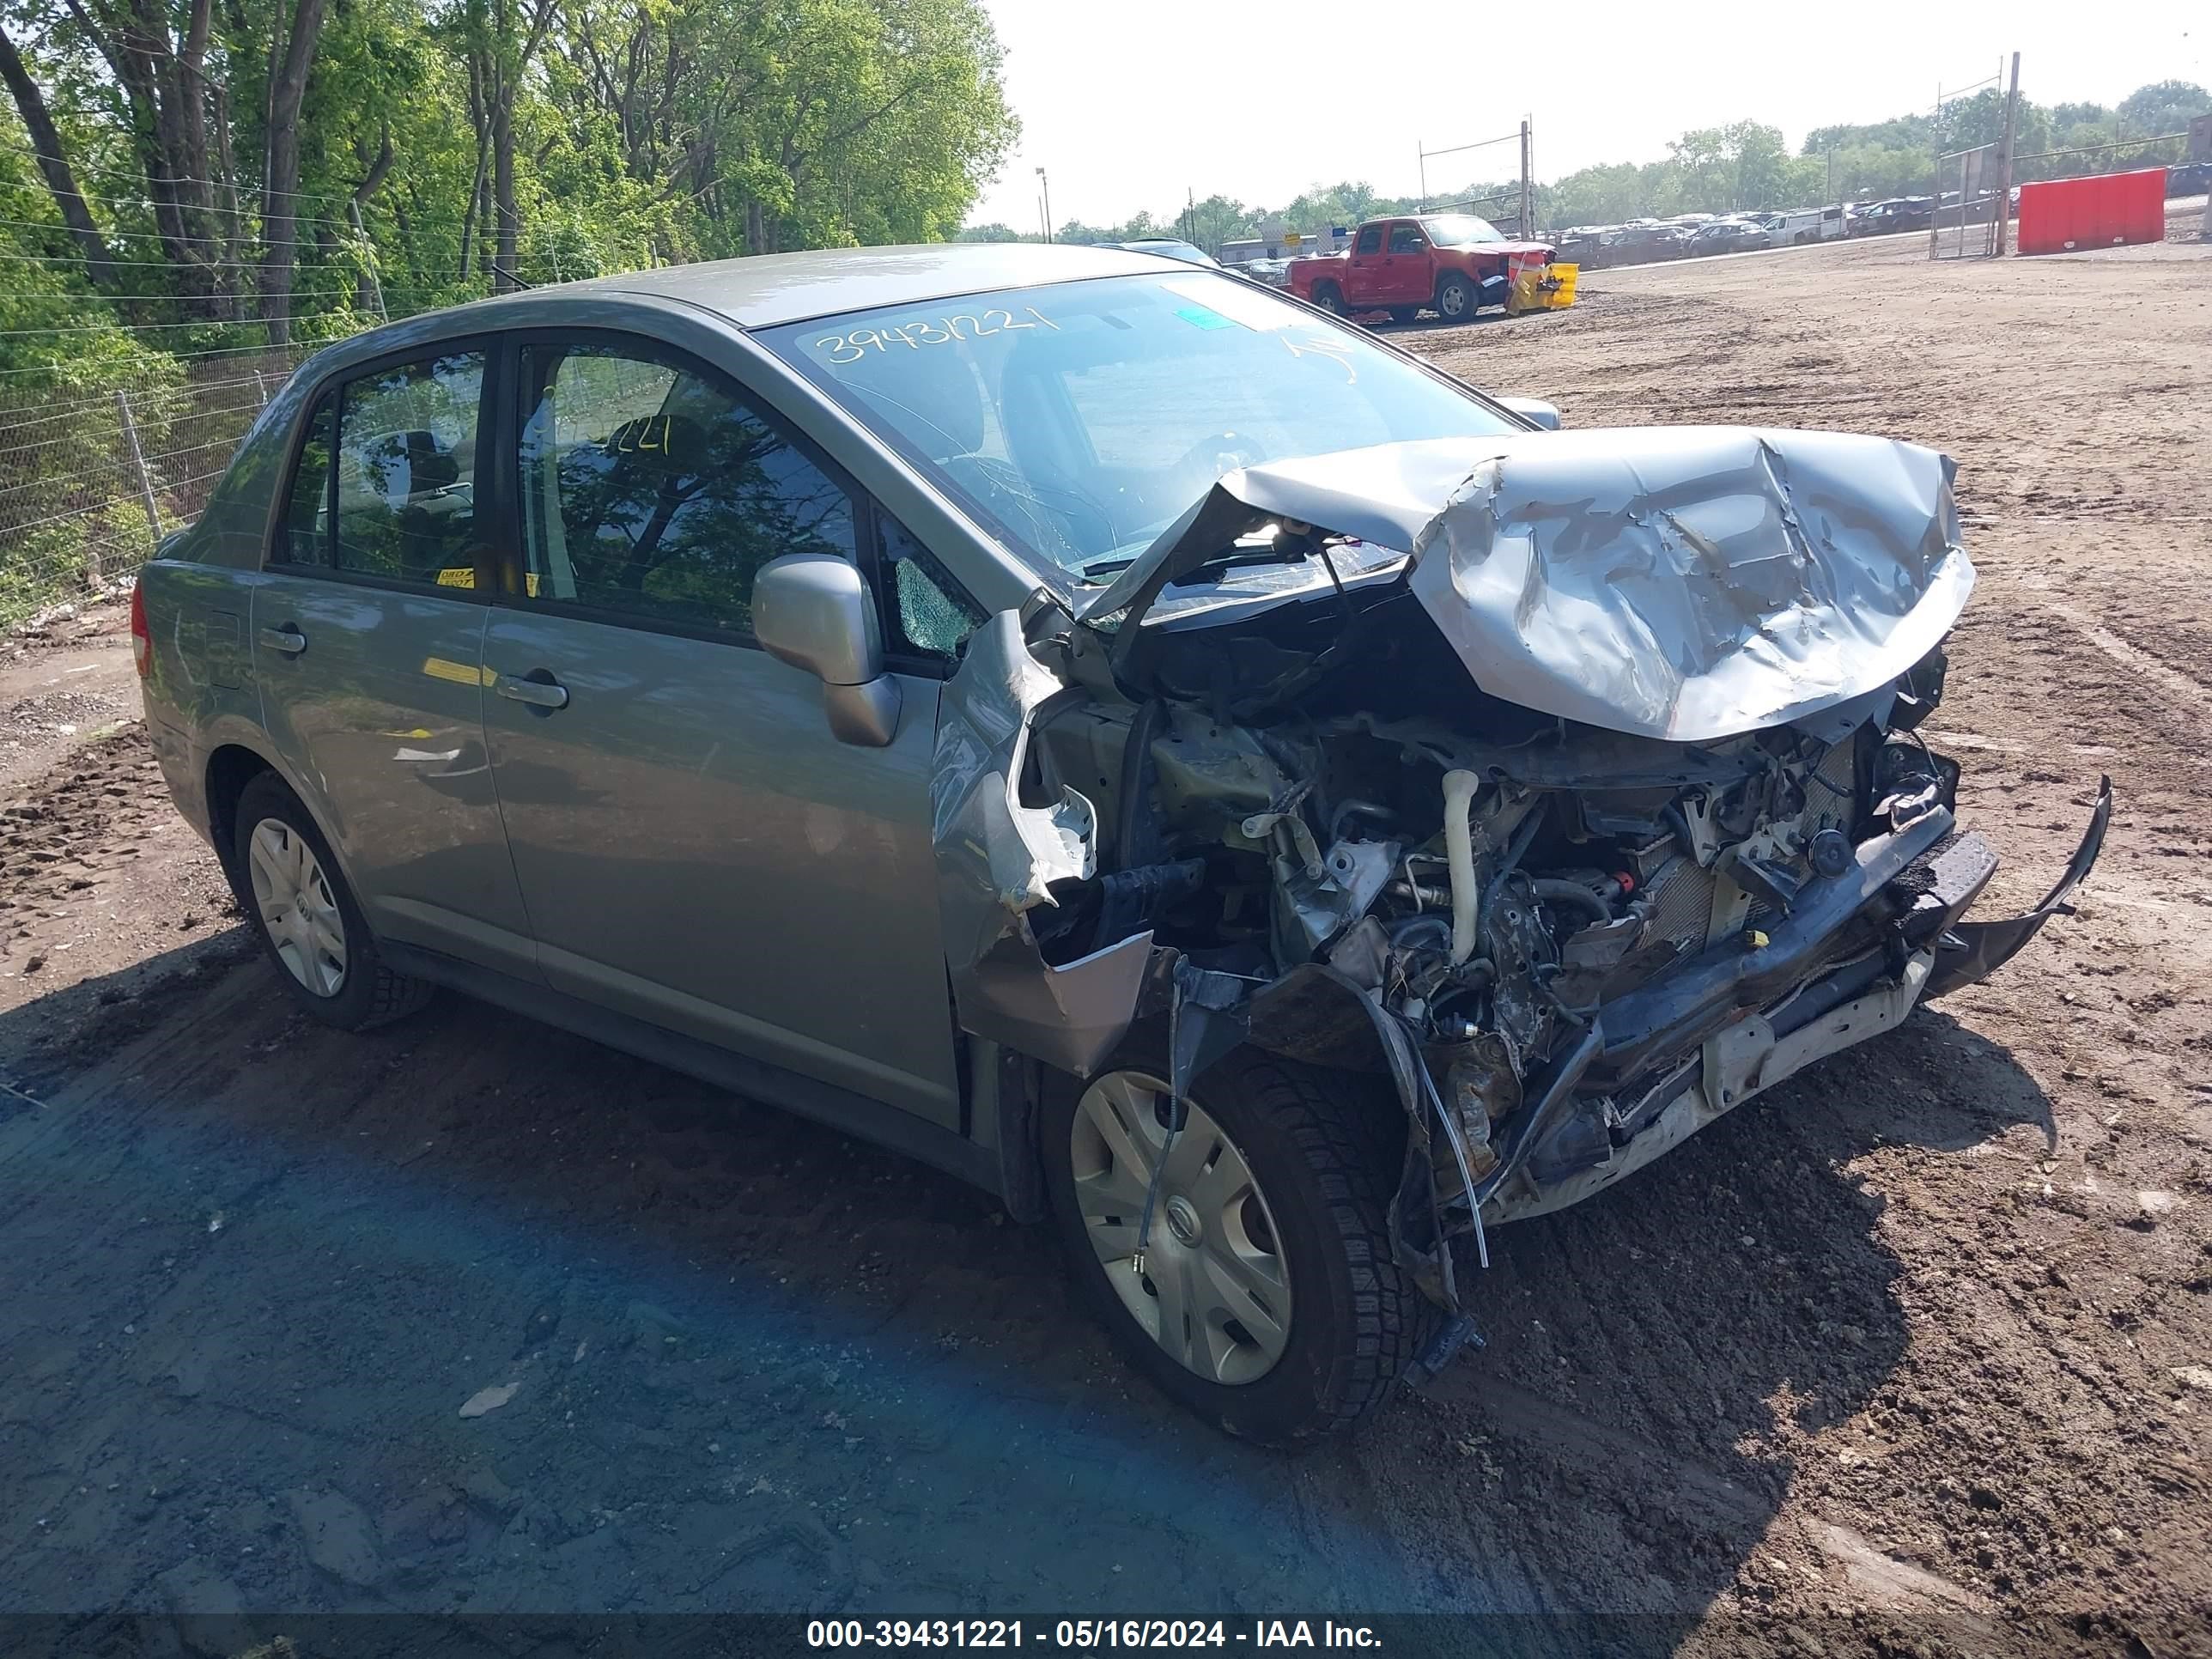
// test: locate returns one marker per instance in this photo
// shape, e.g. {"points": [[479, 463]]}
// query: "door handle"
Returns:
{"points": [[546, 693], [287, 638]]}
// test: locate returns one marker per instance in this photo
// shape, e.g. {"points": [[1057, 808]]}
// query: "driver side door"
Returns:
{"points": [[1406, 274], [1363, 270]]}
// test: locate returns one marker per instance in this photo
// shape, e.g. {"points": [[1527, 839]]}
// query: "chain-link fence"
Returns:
{"points": [[90, 481], [1964, 222]]}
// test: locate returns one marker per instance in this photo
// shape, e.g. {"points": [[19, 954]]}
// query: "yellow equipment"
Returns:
{"points": [[1551, 288]]}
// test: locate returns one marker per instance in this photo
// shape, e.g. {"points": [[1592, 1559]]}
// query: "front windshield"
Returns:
{"points": [[1459, 229], [1080, 419]]}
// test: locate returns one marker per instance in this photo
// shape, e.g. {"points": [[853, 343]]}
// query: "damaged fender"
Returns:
{"points": [[997, 859]]}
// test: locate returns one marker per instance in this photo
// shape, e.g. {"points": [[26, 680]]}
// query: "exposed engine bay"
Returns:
{"points": [[1302, 816]]}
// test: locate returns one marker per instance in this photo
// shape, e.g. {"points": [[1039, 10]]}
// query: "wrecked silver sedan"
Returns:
{"points": [[1175, 760]]}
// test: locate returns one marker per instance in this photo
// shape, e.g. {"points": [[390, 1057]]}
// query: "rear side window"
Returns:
{"points": [[307, 538], [655, 489], [406, 466], [384, 482], [1371, 240]]}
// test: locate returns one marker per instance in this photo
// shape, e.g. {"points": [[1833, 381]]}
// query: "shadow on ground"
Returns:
{"points": [[716, 1357]]}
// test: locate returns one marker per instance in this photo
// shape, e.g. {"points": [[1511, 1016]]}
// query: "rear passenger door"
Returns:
{"points": [[695, 848], [367, 638]]}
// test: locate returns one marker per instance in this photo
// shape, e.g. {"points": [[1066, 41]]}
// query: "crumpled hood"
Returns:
{"points": [[1684, 583]]}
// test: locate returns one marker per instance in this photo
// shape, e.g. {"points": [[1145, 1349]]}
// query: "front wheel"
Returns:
{"points": [[1264, 1297], [1455, 300]]}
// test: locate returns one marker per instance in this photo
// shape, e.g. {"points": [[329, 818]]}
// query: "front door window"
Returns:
{"points": [[652, 490]]}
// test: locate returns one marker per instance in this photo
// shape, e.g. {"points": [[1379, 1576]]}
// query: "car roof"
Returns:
{"points": [[769, 289]]}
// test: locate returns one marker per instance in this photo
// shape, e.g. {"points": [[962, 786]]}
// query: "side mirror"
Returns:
{"points": [[1534, 408], [813, 612]]}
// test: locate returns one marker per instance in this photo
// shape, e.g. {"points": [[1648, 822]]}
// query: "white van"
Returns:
{"points": [[1806, 224]]}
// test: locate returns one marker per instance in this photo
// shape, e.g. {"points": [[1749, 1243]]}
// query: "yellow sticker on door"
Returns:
{"points": [[465, 576], [460, 673]]}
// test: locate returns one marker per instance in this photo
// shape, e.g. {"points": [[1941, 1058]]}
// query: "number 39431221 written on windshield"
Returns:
{"points": [[850, 347]]}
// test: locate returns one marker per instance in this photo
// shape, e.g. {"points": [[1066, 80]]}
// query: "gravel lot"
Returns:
{"points": [[1912, 1354]]}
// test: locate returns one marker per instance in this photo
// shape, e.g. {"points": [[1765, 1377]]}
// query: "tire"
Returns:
{"points": [[1455, 299], [293, 892], [1404, 313], [1329, 297], [1320, 1191]]}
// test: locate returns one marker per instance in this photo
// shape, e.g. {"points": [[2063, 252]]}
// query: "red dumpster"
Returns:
{"points": [[2104, 212]]}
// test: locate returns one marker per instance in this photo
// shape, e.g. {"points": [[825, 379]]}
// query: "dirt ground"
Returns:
{"points": [[1913, 1354]]}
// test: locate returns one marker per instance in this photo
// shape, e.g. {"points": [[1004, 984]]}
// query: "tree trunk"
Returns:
{"points": [[472, 218], [279, 212], [366, 291], [169, 81], [503, 185], [227, 201], [54, 162]]}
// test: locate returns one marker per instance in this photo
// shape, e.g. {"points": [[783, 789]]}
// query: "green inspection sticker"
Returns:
{"points": [[1199, 317]]}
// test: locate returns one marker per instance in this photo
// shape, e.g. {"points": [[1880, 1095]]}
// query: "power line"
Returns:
{"points": [[148, 178], [69, 410], [217, 351], [97, 297], [123, 264], [145, 203]]}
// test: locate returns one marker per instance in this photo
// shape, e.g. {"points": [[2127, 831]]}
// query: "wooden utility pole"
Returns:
{"points": [[2004, 164], [1528, 189]]}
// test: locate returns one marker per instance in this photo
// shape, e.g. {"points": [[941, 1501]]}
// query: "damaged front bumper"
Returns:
{"points": [[1661, 1065], [1970, 952]]}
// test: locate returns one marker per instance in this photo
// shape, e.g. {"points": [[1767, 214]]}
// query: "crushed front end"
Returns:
{"points": [[1575, 788]]}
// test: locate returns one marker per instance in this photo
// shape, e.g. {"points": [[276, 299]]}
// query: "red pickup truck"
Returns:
{"points": [[1437, 262]]}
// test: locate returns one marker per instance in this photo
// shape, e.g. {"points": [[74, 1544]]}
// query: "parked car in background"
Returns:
{"points": [[1801, 225], [1896, 213], [1059, 714], [1644, 239], [1452, 264], [1730, 235], [1910, 213], [1977, 210], [1274, 273], [1584, 245], [2191, 179], [1169, 247]]}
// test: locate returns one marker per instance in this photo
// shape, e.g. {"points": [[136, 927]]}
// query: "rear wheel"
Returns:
{"points": [[309, 921], [1455, 300], [1265, 1299], [1329, 297]]}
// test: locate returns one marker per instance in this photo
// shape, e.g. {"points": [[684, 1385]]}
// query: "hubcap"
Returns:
{"points": [[1455, 302], [297, 908], [1214, 1290]]}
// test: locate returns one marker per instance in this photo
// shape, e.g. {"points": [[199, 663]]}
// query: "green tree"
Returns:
{"points": [[2164, 107]]}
